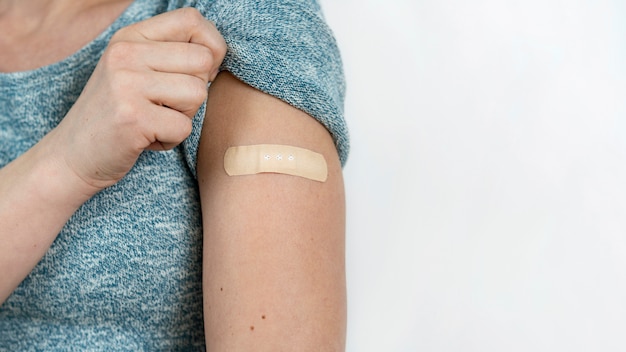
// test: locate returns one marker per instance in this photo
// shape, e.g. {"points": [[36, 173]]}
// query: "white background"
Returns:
{"points": [[487, 180]]}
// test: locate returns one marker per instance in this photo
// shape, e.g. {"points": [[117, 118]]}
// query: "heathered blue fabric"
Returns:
{"points": [[124, 274]]}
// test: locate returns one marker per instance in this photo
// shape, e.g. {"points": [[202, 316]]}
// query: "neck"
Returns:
{"points": [[34, 14], [46, 31], [32, 8], [28, 16]]}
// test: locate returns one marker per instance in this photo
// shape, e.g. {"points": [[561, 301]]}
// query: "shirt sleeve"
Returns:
{"points": [[286, 49]]}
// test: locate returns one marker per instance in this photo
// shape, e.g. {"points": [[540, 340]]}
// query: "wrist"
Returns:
{"points": [[53, 181]]}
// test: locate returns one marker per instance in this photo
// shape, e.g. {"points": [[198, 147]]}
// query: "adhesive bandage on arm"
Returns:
{"points": [[283, 159]]}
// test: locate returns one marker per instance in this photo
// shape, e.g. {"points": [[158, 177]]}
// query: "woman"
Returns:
{"points": [[119, 227]]}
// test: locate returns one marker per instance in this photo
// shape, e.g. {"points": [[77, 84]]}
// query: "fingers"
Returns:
{"points": [[185, 25], [143, 93], [150, 58], [165, 128], [180, 92], [186, 58], [161, 66], [165, 117]]}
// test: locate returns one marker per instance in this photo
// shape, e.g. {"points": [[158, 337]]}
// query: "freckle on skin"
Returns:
{"points": [[251, 328], [262, 316]]}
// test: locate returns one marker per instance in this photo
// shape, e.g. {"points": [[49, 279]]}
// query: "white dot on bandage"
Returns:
{"points": [[255, 159]]}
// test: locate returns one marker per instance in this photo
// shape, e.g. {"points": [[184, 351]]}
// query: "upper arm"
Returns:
{"points": [[273, 257]]}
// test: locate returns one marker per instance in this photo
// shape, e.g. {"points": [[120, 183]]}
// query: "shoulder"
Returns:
{"points": [[285, 49]]}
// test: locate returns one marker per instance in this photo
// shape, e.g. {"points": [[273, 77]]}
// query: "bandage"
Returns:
{"points": [[283, 159]]}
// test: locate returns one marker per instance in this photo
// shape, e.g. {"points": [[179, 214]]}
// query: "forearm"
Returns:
{"points": [[142, 94], [38, 194]]}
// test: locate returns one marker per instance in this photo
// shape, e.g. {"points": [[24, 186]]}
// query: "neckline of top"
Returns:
{"points": [[75, 60]]}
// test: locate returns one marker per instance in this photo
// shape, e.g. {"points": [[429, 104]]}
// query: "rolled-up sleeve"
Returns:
{"points": [[286, 49]]}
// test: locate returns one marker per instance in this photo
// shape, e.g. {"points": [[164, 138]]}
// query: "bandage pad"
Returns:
{"points": [[283, 159]]}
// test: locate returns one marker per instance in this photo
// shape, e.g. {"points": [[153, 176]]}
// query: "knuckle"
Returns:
{"points": [[124, 100], [204, 59], [119, 35], [179, 128], [119, 53], [221, 48], [126, 113], [185, 128], [197, 91], [191, 16]]}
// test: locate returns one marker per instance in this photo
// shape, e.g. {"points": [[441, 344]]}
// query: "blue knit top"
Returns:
{"points": [[125, 271]]}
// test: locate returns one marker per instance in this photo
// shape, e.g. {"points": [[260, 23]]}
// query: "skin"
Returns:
{"points": [[274, 243], [273, 265], [43, 32]]}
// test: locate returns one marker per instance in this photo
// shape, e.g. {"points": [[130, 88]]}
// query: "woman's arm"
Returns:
{"points": [[38, 194], [273, 274], [142, 95]]}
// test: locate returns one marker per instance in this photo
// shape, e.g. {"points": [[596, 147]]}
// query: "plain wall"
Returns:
{"points": [[486, 185]]}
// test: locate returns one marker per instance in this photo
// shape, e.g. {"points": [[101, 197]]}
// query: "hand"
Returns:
{"points": [[148, 85]]}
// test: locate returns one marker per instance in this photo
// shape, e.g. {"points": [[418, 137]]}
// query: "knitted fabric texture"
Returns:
{"points": [[124, 274]]}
